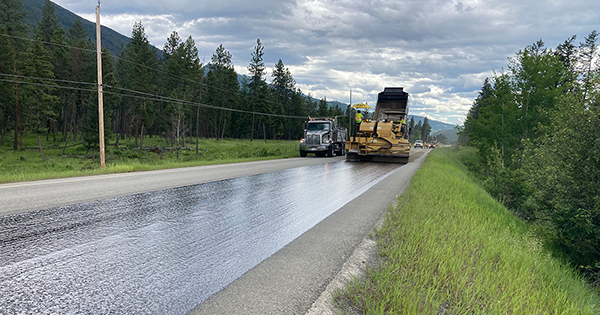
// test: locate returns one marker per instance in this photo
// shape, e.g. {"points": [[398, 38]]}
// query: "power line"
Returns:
{"points": [[46, 79], [239, 93], [143, 95], [122, 59], [48, 43]]}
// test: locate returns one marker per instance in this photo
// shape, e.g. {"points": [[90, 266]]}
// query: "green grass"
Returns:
{"points": [[449, 248], [27, 164]]}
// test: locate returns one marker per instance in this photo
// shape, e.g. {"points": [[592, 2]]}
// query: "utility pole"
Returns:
{"points": [[100, 100]]}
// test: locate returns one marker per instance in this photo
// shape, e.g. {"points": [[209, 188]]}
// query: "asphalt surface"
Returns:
{"points": [[293, 279], [44, 194]]}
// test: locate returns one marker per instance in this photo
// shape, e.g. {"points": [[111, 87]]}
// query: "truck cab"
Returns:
{"points": [[323, 137]]}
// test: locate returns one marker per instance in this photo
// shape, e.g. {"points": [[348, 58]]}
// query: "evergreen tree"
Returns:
{"points": [[183, 64], [60, 62], [283, 82], [323, 109], [82, 68], [222, 91], [567, 53], [39, 99], [284, 86], [12, 17], [136, 74], [7, 55], [258, 88], [425, 130], [48, 24], [588, 51]]}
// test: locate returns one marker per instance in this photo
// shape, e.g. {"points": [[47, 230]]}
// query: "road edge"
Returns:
{"points": [[362, 258]]}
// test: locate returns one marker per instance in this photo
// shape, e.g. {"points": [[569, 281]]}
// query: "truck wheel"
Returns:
{"points": [[330, 151], [302, 153]]}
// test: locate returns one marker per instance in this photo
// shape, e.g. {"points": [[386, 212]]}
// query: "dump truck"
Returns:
{"points": [[323, 136], [385, 137]]}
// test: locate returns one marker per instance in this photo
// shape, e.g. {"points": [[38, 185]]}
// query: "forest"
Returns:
{"points": [[48, 88], [536, 127]]}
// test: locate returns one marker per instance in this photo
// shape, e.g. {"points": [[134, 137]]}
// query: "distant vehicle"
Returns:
{"points": [[323, 136], [419, 144]]}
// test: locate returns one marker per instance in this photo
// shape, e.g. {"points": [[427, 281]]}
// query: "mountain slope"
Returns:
{"points": [[110, 38]]}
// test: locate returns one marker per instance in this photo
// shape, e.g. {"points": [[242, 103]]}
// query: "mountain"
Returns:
{"points": [[435, 125], [110, 38], [438, 127], [450, 135]]}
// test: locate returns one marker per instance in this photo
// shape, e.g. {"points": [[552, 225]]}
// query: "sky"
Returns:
{"points": [[440, 51]]}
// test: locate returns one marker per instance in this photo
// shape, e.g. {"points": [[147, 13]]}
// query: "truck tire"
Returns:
{"points": [[302, 153], [342, 150]]}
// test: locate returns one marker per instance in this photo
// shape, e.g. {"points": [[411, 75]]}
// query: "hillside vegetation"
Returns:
{"points": [[110, 38], [536, 129], [449, 248]]}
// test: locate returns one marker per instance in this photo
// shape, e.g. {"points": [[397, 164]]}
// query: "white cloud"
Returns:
{"points": [[438, 50]]}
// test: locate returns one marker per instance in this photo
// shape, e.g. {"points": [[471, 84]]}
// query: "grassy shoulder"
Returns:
{"points": [[27, 164], [449, 248]]}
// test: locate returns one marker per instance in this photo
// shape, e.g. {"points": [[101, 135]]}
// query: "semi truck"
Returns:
{"points": [[323, 136], [385, 138]]}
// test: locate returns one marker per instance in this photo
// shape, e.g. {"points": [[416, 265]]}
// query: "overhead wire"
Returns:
{"points": [[142, 95], [147, 94], [122, 59]]}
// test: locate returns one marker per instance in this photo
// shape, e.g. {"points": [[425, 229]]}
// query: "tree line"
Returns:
{"points": [[537, 127], [47, 88]]}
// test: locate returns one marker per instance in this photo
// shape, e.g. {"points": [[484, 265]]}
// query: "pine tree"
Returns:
{"points": [[258, 88], [48, 24], [7, 55], [588, 53], [136, 74], [222, 91], [60, 62], [81, 64], [323, 109], [39, 99], [284, 85], [425, 130], [12, 17]]}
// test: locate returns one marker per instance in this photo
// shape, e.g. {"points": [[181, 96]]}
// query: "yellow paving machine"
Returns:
{"points": [[385, 137]]}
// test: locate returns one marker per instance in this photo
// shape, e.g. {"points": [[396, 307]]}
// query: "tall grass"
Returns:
{"points": [[449, 248], [27, 164]]}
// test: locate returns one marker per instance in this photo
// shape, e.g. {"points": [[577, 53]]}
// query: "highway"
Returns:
{"points": [[249, 238]]}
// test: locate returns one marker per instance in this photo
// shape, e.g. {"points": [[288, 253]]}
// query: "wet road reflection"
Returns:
{"points": [[165, 252]]}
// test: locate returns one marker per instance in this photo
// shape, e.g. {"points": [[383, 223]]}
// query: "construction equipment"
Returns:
{"points": [[385, 138], [323, 136]]}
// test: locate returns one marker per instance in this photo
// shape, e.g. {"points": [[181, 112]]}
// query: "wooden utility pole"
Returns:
{"points": [[100, 101]]}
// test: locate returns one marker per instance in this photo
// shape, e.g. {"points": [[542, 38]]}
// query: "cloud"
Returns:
{"points": [[440, 51]]}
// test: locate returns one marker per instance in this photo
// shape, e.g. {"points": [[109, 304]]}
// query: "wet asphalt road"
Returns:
{"points": [[166, 251], [43, 194]]}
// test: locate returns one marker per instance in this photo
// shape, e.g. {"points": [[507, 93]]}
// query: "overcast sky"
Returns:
{"points": [[438, 50]]}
